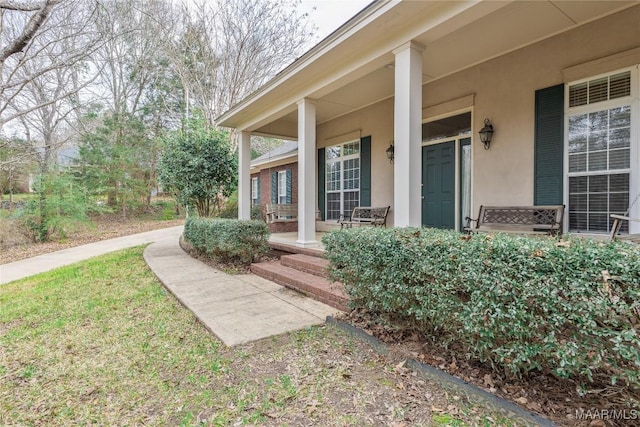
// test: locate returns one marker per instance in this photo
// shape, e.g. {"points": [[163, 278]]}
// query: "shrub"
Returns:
{"points": [[228, 240], [521, 304]]}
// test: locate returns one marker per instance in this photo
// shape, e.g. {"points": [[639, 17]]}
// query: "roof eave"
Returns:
{"points": [[342, 33]]}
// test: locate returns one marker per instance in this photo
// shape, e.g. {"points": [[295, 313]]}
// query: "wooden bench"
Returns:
{"points": [[518, 219], [365, 215], [276, 212]]}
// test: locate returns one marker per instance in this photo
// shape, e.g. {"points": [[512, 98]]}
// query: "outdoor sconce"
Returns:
{"points": [[389, 151], [486, 133]]}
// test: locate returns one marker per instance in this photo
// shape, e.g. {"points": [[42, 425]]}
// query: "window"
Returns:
{"points": [[599, 151], [255, 198], [342, 179], [282, 187]]}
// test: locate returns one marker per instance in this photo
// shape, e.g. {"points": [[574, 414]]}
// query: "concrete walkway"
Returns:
{"points": [[237, 309], [41, 263]]}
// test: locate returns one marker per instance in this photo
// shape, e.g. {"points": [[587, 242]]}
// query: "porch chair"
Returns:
{"points": [[617, 221]]}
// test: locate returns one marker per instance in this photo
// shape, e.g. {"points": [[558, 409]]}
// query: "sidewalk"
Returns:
{"points": [[237, 309], [40, 264]]}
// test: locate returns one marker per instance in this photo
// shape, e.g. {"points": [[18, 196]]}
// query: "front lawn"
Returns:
{"points": [[101, 342]]}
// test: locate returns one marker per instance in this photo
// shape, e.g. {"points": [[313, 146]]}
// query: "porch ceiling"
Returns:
{"points": [[353, 68]]}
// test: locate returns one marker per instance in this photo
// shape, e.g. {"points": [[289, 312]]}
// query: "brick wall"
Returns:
{"points": [[265, 182]]}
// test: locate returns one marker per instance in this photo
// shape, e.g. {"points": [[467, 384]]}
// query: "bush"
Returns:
{"points": [[228, 240], [521, 304]]}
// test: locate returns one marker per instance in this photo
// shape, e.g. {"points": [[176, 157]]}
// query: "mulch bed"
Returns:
{"points": [[554, 398]]}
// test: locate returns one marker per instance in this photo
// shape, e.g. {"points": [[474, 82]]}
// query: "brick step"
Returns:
{"points": [[313, 286], [308, 264]]}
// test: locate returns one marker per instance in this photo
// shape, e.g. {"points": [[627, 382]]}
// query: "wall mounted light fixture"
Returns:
{"points": [[486, 133], [390, 152]]}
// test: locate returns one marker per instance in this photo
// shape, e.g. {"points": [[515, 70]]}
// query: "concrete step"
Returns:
{"points": [[293, 249], [308, 264], [313, 286]]}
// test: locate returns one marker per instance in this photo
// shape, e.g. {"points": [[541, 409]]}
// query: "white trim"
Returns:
{"points": [[254, 191], [282, 186], [244, 176], [341, 159]]}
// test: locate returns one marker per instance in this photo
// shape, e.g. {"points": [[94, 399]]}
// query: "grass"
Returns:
{"points": [[101, 342]]}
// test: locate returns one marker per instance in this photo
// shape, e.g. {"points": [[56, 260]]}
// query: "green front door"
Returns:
{"points": [[438, 185]]}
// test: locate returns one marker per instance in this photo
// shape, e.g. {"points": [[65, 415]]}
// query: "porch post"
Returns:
{"points": [[244, 176], [407, 135], [306, 173]]}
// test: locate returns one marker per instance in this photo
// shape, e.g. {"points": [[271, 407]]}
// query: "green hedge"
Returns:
{"points": [[228, 240], [521, 304]]}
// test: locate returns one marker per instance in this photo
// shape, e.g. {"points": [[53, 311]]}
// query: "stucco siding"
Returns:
{"points": [[504, 91]]}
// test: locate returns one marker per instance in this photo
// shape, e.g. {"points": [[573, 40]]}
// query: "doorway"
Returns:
{"points": [[446, 172]]}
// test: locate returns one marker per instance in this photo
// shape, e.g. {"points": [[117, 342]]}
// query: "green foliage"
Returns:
{"points": [[519, 303], [230, 209], [199, 166], [59, 207], [116, 161], [228, 240]]}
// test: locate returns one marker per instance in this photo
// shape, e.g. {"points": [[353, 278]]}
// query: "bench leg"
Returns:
{"points": [[615, 227]]}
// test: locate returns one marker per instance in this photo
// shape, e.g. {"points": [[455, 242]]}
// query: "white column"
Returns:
{"points": [[244, 176], [306, 173], [407, 166]]}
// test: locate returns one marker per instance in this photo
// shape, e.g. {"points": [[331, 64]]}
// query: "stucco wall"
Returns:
{"points": [[503, 90]]}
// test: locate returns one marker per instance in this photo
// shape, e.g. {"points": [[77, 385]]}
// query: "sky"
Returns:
{"points": [[330, 14]]}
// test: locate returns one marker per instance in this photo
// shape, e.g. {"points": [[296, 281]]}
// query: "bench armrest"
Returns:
{"points": [[469, 220]]}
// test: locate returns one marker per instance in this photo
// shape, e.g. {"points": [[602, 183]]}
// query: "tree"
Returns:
{"points": [[21, 39], [229, 48], [61, 206], [199, 167], [40, 81], [113, 162]]}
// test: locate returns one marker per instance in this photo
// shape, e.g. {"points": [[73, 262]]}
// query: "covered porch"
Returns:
{"points": [[388, 109]]}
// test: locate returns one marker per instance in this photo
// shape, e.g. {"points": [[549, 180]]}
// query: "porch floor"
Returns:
{"points": [[287, 242]]}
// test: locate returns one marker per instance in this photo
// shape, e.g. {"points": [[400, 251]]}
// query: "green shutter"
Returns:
{"points": [[289, 186], [365, 171], [322, 175], [274, 187], [549, 146]]}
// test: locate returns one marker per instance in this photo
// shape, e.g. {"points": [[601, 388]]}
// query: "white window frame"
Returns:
{"points": [[634, 155], [254, 191], [282, 187], [342, 159]]}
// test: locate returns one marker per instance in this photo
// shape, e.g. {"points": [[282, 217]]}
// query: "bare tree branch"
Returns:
{"points": [[30, 29], [22, 6]]}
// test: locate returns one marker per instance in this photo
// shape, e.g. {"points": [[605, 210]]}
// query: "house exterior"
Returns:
{"points": [[274, 179], [558, 80]]}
